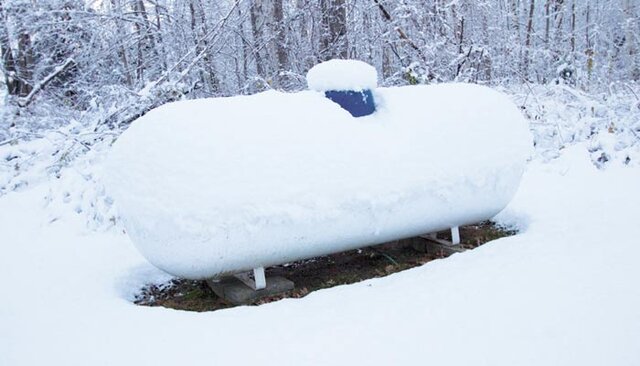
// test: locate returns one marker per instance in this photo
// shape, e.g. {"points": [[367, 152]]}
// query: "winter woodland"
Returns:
{"points": [[104, 62]]}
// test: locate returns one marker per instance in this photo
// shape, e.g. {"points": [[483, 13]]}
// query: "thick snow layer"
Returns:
{"points": [[209, 187], [342, 75], [562, 292]]}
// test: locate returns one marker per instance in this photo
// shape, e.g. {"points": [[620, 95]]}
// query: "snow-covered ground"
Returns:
{"points": [[564, 291]]}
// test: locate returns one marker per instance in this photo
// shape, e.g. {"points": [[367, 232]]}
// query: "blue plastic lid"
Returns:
{"points": [[358, 103]]}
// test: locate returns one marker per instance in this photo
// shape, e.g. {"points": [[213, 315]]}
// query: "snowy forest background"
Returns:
{"points": [[76, 73], [113, 59]]}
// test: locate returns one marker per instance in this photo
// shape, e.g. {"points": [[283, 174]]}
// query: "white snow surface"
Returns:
{"points": [[216, 186], [342, 75], [562, 292]]}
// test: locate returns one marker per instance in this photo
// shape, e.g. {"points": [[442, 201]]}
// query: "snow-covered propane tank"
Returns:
{"points": [[218, 186]]}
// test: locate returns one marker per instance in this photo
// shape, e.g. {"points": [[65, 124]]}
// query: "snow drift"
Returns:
{"points": [[217, 186], [342, 75]]}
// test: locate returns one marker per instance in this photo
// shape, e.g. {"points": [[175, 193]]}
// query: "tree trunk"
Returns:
{"points": [[8, 60], [256, 30], [558, 17], [122, 53], [281, 46], [527, 45], [333, 40], [573, 30], [214, 81], [632, 39], [547, 23], [25, 63]]}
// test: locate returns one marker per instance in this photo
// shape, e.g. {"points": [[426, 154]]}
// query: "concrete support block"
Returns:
{"points": [[234, 291], [432, 245]]}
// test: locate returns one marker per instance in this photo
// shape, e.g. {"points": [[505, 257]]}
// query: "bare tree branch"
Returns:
{"points": [[23, 102]]}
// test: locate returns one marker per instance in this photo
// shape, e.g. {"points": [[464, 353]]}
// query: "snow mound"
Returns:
{"points": [[342, 75], [216, 186]]}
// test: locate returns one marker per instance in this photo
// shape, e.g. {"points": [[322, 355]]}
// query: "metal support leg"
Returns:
{"points": [[455, 235], [258, 282], [258, 275]]}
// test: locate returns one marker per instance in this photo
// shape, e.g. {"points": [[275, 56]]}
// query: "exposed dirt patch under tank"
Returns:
{"points": [[321, 272]]}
